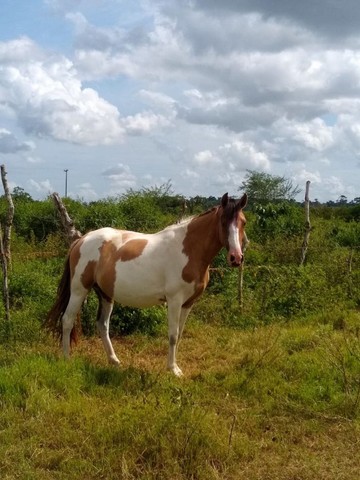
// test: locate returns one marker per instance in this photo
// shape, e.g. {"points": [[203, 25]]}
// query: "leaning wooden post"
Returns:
{"points": [[305, 243], [9, 217], [67, 223], [5, 254], [241, 275]]}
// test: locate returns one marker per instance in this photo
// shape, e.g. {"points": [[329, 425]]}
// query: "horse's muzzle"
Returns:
{"points": [[235, 261]]}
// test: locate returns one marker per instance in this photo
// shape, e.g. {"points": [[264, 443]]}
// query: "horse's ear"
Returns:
{"points": [[224, 200], [242, 202]]}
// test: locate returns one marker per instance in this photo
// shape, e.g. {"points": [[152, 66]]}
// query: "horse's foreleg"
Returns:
{"points": [[174, 308], [103, 322]]}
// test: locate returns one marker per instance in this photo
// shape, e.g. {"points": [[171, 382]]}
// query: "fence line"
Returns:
{"points": [[56, 254]]}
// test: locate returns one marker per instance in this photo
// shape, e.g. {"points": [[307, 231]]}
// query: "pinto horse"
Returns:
{"points": [[141, 270]]}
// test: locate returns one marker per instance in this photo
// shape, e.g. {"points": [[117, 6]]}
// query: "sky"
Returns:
{"points": [[131, 94]]}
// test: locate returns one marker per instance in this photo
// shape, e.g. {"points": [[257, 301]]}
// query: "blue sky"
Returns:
{"points": [[131, 94]]}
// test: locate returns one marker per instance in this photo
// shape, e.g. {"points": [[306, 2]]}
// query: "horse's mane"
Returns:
{"points": [[207, 212], [186, 220]]}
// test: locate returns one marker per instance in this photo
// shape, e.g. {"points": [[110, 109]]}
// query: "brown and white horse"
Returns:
{"points": [[141, 270]]}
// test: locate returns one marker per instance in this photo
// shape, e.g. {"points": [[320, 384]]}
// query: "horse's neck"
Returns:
{"points": [[202, 237]]}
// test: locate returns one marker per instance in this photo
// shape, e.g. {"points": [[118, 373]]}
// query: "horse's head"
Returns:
{"points": [[232, 228]]}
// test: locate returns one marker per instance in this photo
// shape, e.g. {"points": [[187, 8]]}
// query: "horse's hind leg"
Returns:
{"points": [[183, 316], [68, 319], [103, 322]]}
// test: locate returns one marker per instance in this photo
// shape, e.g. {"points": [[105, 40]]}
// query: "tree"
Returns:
{"points": [[20, 194], [342, 200], [264, 188]]}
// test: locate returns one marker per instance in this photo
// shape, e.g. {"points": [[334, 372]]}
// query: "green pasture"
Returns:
{"points": [[275, 402]]}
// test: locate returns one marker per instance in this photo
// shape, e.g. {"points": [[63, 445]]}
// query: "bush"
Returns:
{"points": [[284, 219], [124, 320]]}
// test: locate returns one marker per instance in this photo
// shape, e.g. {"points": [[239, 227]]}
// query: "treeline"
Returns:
{"points": [[150, 209]]}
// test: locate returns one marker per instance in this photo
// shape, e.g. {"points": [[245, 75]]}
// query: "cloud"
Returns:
{"points": [[239, 79], [10, 144], [158, 99], [120, 178], [195, 88], [189, 173], [43, 187], [32, 160], [333, 19], [60, 5], [49, 100], [95, 38], [242, 155], [230, 162], [314, 135], [85, 190], [303, 175], [335, 186], [143, 122], [206, 158]]}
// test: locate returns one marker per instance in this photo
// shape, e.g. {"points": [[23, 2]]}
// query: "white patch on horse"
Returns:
{"points": [[155, 274], [234, 242]]}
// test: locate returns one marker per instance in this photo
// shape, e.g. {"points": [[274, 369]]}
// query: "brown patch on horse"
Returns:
{"points": [[241, 222], [74, 254], [199, 288], [131, 249], [127, 236], [109, 255], [197, 241], [88, 275]]}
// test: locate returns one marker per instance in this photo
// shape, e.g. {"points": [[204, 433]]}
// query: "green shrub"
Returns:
{"points": [[124, 320]]}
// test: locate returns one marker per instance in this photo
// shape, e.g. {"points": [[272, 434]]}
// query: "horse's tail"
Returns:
{"points": [[53, 321]]}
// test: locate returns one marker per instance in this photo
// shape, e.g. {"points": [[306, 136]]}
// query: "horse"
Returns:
{"points": [[140, 270]]}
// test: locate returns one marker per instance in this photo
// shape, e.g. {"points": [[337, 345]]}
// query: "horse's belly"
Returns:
{"points": [[139, 288], [138, 301]]}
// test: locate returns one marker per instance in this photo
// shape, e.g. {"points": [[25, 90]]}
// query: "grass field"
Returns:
{"points": [[276, 402]]}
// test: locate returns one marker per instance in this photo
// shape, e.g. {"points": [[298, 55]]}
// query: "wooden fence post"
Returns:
{"points": [[305, 243], [67, 223], [5, 252], [241, 276]]}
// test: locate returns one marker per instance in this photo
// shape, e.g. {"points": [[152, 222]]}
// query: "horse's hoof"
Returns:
{"points": [[176, 371], [114, 361]]}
